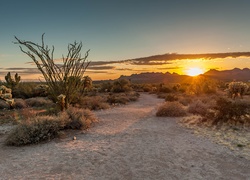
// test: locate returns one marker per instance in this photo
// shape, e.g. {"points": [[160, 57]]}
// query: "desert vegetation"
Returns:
{"points": [[42, 111], [37, 116], [214, 103]]}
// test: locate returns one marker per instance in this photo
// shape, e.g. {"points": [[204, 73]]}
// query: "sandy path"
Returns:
{"points": [[129, 142]]}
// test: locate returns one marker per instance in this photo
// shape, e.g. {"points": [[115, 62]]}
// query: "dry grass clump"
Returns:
{"points": [[133, 96], [20, 104], [78, 118], [39, 102], [3, 105], [171, 98], [198, 107], [185, 100], [42, 128], [117, 99], [93, 103], [38, 129], [171, 109], [122, 98]]}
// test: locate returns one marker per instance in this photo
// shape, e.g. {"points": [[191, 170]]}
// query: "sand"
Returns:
{"points": [[129, 142]]}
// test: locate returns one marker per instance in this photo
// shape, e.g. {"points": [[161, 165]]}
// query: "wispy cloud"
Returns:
{"points": [[101, 67], [168, 68], [167, 58], [124, 69]]}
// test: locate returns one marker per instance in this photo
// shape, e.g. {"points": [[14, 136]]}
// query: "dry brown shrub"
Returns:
{"points": [[78, 118], [171, 109], [198, 107], [38, 129], [20, 104], [34, 129], [39, 102], [185, 100], [3, 105], [93, 103]]}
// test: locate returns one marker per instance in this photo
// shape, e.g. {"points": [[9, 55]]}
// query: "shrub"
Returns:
{"points": [[117, 99], [230, 110], [121, 85], [164, 89], [20, 104], [202, 85], [3, 105], [171, 98], [171, 109], [93, 102], [41, 128], [38, 102], [147, 88], [106, 87], [185, 100], [133, 96], [24, 90], [198, 107], [79, 118], [41, 90]]}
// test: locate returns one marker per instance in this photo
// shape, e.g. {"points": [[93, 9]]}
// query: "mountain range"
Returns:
{"points": [[156, 77]]}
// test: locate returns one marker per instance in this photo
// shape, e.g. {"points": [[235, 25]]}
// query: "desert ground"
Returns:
{"points": [[129, 142]]}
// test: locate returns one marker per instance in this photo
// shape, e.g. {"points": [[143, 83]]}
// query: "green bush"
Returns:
{"points": [[171, 109]]}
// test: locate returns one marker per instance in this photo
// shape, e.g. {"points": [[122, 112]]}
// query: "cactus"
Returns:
{"points": [[237, 89], [12, 82], [62, 102], [5, 94], [87, 83]]}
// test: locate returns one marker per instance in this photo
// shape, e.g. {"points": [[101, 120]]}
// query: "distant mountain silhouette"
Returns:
{"points": [[229, 75], [156, 77]]}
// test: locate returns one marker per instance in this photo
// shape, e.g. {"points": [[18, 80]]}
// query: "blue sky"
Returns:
{"points": [[123, 29]]}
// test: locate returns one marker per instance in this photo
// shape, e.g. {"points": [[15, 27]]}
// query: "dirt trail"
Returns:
{"points": [[128, 143]]}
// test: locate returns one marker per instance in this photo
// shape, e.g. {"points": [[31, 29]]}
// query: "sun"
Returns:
{"points": [[195, 71]]}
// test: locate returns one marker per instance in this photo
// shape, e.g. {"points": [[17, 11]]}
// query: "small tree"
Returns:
{"points": [[58, 76]]}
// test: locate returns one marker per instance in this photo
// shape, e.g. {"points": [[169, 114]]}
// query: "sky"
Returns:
{"points": [[117, 31]]}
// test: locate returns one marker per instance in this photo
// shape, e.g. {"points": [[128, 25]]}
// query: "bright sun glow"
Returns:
{"points": [[194, 71]]}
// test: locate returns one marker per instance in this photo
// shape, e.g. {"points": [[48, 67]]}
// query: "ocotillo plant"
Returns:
{"points": [[58, 74]]}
